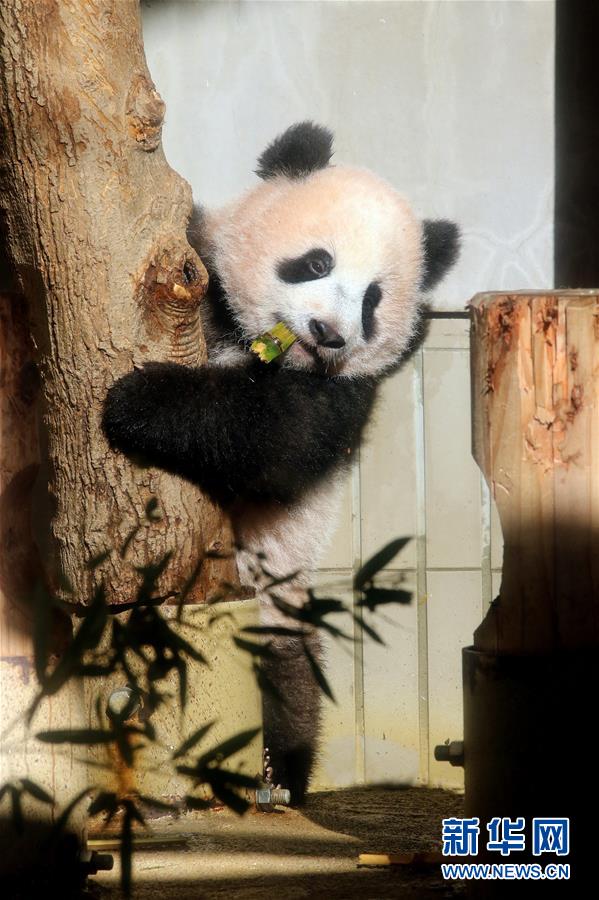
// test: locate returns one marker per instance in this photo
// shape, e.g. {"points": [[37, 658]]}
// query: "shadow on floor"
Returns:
{"points": [[299, 854]]}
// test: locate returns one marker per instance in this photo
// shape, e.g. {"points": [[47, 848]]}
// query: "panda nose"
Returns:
{"points": [[325, 335]]}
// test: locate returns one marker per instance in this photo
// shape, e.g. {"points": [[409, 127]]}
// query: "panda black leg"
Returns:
{"points": [[291, 713]]}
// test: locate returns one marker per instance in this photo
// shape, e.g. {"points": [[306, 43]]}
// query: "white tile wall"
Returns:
{"points": [[453, 103], [415, 477], [454, 610]]}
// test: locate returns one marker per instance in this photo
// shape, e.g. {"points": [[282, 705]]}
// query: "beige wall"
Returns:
{"points": [[453, 102]]}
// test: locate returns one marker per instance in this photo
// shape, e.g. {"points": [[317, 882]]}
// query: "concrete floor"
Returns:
{"points": [[294, 855]]}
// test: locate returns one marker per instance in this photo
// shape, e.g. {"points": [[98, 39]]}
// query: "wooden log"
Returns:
{"points": [[535, 406]]}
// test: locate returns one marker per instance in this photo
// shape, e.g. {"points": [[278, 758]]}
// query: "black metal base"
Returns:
{"points": [[529, 738]]}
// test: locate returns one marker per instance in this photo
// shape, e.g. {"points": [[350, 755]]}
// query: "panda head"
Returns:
{"points": [[334, 252]]}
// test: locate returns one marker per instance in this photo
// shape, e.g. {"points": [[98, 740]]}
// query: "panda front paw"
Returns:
{"points": [[129, 410]]}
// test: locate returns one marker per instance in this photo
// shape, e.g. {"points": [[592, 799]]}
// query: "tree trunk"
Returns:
{"points": [[95, 222], [19, 464], [62, 775]]}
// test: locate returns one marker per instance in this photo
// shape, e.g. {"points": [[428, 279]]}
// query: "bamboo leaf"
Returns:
{"points": [[152, 572], [192, 740], [322, 606], [61, 821], [127, 542], [189, 771], [18, 820], [319, 674], [96, 561], [134, 811], [36, 791], [374, 597], [227, 748], [255, 649], [76, 736], [221, 788], [265, 683], [369, 630], [182, 671], [240, 779], [196, 802], [273, 630], [377, 562], [106, 801], [277, 581]]}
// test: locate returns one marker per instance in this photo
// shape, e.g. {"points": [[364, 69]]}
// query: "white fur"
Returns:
{"points": [[372, 235], [292, 539]]}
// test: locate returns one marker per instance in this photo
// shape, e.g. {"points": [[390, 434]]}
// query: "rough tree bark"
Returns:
{"points": [[19, 464], [95, 222]]}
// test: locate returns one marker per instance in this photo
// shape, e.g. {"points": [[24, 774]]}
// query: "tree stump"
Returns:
{"points": [[535, 401], [531, 679]]}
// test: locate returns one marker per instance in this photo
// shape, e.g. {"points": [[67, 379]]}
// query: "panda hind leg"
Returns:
{"points": [[291, 705]]}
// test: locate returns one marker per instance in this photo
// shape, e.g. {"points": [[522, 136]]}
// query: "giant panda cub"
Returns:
{"points": [[336, 254]]}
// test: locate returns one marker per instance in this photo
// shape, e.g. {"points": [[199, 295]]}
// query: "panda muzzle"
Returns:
{"points": [[325, 335]]}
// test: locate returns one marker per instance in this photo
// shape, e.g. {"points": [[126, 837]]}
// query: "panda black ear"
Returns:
{"points": [[303, 148], [441, 249]]}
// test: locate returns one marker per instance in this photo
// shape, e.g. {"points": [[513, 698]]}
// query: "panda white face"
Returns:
{"points": [[336, 255]]}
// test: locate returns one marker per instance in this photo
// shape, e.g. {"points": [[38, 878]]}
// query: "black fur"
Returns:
{"points": [[216, 309], [302, 149], [259, 432], [195, 227], [441, 250], [218, 323], [292, 711], [372, 298], [295, 271]]}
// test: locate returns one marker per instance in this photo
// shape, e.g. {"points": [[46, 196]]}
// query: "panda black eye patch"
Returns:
{"points": [[311, 266], [372, 298]]}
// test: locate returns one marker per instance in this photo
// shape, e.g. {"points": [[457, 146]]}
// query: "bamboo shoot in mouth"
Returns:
{"points": [[273, 343]]}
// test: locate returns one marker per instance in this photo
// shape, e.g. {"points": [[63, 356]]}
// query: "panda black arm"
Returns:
{"points": [[259, 432]]}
